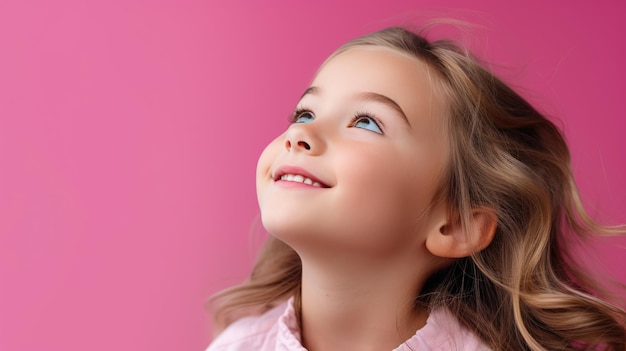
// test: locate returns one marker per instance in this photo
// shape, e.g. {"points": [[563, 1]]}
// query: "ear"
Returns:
{"points": [[452, 241]]}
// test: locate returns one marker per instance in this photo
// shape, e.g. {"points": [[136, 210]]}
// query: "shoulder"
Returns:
{"points": [[250, 333], [443, 332]]}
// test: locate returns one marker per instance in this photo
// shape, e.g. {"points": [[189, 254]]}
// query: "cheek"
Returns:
{"points": [[379, 172], [264, 164], [387, 185]]}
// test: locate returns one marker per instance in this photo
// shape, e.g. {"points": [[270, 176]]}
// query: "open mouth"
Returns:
{"points": [[300, 179], [298, 176]]}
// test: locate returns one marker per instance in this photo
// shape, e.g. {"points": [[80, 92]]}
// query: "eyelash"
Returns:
{"points": [[365, 114], [299, 111], [361, 114]]}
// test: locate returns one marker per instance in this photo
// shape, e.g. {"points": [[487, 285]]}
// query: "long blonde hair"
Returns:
{"points": [[524, 291]]}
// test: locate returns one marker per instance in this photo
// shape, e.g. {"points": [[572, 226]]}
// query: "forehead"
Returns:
{"points": [[403, 78]]}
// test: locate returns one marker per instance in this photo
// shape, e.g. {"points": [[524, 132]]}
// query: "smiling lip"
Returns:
{"points": [[284, 170]]}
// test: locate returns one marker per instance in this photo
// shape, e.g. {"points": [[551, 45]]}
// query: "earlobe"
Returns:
{"points": [[451, 240]]}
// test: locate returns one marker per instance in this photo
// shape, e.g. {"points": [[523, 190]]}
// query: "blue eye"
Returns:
{"points": [[303, 116], [366, 122]]}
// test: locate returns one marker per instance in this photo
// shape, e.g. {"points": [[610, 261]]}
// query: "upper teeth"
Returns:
{"points": [[300, 179]]}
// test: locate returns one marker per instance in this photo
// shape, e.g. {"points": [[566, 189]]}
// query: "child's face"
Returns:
{"points": [[377, 172]]}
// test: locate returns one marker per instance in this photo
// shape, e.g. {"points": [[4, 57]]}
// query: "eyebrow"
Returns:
{"points": [[368, 95]]}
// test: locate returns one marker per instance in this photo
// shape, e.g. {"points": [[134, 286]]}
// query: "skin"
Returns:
{"points": [[370, 236]]}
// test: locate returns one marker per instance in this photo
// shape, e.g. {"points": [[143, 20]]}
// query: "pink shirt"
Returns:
{"points": [[278, 330]]}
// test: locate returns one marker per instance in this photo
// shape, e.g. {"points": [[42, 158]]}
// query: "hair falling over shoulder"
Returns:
{"points": [[525, 291]]}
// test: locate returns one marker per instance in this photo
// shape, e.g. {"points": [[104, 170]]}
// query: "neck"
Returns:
{"points": [[360, 306]]}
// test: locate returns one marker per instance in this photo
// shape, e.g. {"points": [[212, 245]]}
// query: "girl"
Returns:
{"points": [[417, 203]]}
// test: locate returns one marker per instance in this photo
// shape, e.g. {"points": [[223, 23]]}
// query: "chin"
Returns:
{"points": [[282, 224]]}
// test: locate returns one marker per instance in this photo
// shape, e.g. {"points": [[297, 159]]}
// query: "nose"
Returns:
{"points": [[303, 138]]}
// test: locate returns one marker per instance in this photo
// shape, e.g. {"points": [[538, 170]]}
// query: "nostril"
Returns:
{"points": [[300, 144], [304, 145]]}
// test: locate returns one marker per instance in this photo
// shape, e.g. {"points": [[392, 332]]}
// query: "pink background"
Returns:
{"points": [[129, 132]]}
